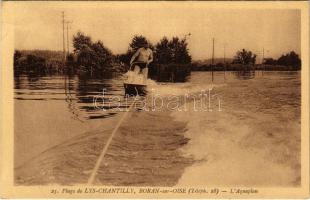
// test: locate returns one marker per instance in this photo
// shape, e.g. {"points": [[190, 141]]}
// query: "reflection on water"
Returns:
{"points": [[243, 75], [52, 109], [76, 92], [233, 76]]}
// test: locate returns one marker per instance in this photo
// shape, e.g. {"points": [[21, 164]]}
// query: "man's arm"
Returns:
{"points": [[134, 56], [150, 58]]}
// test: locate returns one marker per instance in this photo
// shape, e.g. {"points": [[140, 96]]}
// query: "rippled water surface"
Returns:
{"points": [[53, 109]]}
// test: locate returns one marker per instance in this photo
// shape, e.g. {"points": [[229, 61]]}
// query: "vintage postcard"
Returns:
{"points": [[137, 99]]}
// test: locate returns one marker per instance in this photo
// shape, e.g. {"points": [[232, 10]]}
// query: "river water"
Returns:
{"points": [[259, 115]]}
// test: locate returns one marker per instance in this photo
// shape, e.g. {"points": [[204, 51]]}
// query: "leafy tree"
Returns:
{"points": [[125, 57], [179, 51], [137, 42], [103, 54], [91, 56], [86, 57], [163, 53], [244, 57], [80, 41], [173, 51], [290, 59]]}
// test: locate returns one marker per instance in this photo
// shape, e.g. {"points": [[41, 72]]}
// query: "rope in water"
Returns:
{"points": [[104, 150]]}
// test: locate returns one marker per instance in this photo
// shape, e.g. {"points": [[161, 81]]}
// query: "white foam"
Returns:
{"points": [[230, 152], [165, 89], [134, 78]]}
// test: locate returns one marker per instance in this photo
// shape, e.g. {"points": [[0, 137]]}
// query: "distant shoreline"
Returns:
{"points": [[236, 67], [46, 62]]}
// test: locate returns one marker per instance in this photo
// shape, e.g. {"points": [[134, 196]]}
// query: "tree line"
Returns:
{"points": [[165, 51], [171, 57], [37, 61], [289, 59], [90, 56], [246, 60]]}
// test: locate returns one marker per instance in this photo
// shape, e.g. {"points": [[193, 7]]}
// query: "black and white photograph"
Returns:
{"points": [[134, 97]]}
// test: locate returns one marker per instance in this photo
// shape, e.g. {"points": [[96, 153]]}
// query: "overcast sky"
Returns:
{"points": [[39, 26]]}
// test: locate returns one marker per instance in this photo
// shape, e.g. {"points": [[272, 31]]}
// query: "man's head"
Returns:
{"points": [[145, 45]]}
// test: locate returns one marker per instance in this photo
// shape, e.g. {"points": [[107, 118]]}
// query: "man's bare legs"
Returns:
{"points": [[137, 71], [145, 73]]}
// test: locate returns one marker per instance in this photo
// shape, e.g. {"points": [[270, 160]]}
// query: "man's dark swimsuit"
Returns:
{"points": [[142, 65]]}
